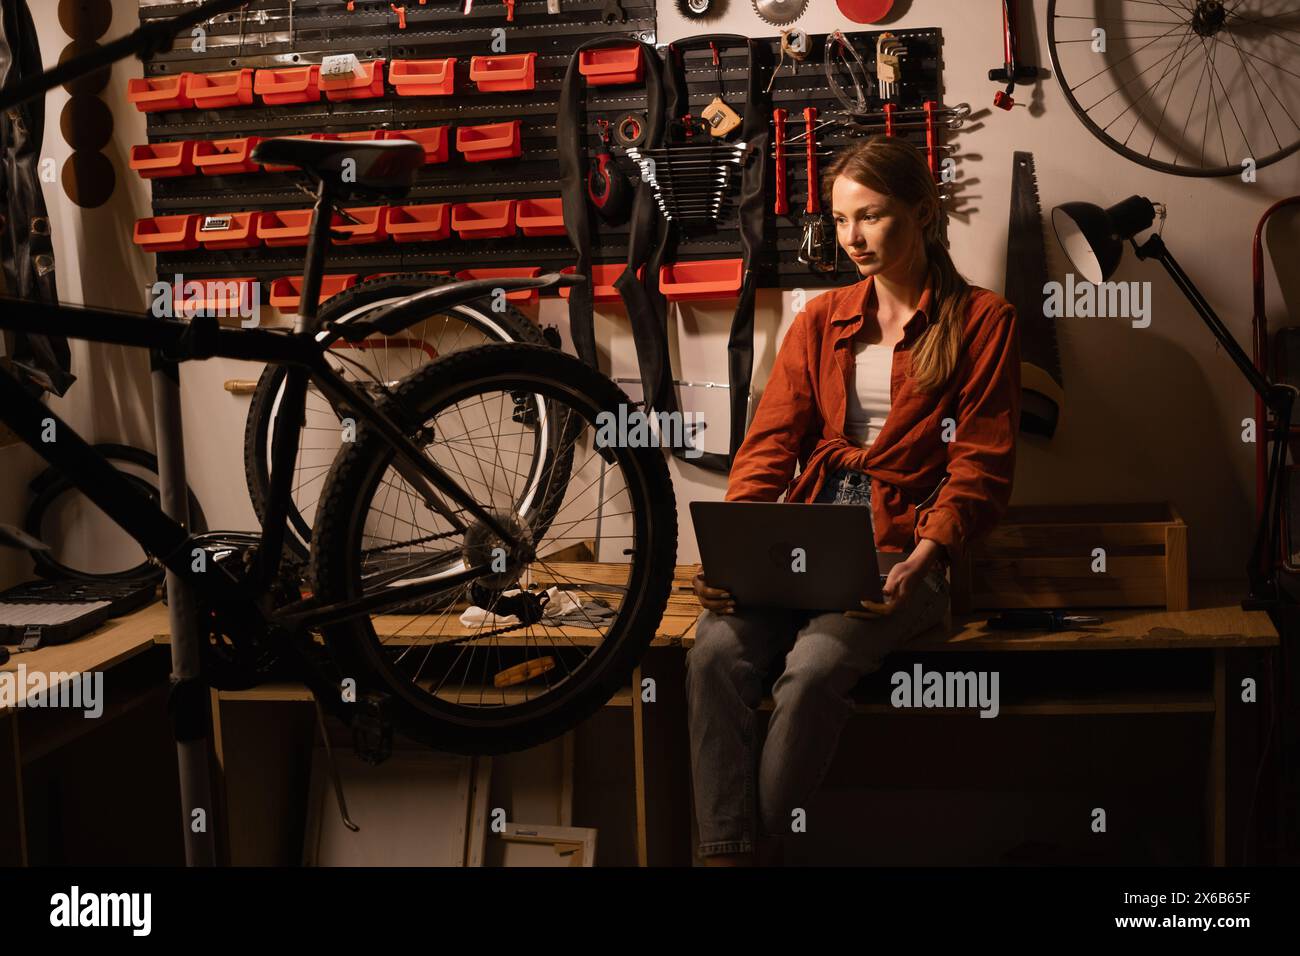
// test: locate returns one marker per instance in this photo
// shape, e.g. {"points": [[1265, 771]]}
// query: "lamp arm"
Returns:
{"points": [[1155, 248], [145, 41], [1278, 397]]}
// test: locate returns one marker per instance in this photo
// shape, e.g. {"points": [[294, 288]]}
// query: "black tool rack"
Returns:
{"points": [[792, 90], [437, 29]]}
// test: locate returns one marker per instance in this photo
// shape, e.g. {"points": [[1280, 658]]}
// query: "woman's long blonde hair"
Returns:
{"points": [[893, 167]]}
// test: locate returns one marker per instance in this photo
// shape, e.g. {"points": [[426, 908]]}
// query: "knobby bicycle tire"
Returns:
{"points": [[51, 484], [337, 557]]}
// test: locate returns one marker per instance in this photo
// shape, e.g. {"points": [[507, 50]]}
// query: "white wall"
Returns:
{"points": [[1152, 414]]}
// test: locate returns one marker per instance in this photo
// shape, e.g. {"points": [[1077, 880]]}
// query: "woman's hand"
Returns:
{"points": [[903, 580], [713, 599]]}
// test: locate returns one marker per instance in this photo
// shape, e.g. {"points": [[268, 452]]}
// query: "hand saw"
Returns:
{"points": [[1042, 393]]}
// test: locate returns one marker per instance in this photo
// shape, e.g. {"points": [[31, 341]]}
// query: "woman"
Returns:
{"points": [[901, 391]]}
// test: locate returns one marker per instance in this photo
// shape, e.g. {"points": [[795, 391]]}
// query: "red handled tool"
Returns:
{"points": [[607, 188], [1012, 71], [782, 199], [812, 250]]}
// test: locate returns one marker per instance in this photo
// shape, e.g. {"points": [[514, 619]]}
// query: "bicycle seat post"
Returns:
{"points": [[314, 268]]}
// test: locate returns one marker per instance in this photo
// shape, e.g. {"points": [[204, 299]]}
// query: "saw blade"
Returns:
{"points": [[779, 13], [1040, 357]]}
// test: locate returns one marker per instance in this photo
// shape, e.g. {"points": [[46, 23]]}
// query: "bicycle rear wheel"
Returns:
{"points": [[376, 365], [471, 681]]}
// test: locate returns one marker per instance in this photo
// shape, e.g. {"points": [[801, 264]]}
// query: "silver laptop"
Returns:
{"points": [[818, 557]]}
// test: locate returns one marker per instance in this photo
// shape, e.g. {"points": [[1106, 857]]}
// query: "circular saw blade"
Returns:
{"points": [[779, 13]]}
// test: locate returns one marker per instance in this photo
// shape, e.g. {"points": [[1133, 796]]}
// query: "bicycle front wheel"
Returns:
{"points": [[554, 628]]}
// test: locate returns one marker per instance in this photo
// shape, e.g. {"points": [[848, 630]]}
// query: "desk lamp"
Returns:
{"points": [[1093, 239]]}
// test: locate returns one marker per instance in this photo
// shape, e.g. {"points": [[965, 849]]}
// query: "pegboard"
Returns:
{"points": [[277, 33], [798, 85], [269, 37]]}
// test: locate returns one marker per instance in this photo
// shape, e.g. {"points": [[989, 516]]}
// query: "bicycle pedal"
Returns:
{"points": [[372, 728]]}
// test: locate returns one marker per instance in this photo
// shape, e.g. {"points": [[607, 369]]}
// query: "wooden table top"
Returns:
{"points": [[1215, 621], [117, 640]]}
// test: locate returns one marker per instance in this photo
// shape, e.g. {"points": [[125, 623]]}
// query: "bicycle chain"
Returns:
{"points": [[407, 544]]}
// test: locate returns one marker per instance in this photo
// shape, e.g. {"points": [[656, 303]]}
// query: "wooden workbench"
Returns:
{"points": [[1215, 625]]}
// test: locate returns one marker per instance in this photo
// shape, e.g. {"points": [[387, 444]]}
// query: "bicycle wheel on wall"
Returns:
{"points": [[1190, 87], [376, 364], [495, 670]]}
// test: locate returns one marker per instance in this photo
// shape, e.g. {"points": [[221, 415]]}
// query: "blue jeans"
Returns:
{"points": [[743, 791]]}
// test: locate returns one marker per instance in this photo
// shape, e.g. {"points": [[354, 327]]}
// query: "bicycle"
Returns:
{"points": [[459, 538]]}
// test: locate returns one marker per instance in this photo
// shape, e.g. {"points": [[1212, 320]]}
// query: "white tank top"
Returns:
{"points": [[868, 401]]}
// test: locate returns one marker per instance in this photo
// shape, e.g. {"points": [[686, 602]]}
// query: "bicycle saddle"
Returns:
{"points": [[383, 168]]}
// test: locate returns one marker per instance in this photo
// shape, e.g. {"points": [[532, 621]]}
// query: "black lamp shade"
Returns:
{"points": [[1093, 238]]}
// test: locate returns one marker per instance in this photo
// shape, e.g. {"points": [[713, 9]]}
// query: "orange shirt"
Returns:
{"points": [[960, 487]]}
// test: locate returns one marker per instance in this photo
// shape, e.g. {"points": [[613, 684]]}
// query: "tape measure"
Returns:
{"points": [[630, 130]]}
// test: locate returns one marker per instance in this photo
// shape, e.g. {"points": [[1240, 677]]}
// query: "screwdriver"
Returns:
{"points": [[1039, 619]]}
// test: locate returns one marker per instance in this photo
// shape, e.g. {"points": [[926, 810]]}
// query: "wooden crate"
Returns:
{"points": [[1045, 555]]}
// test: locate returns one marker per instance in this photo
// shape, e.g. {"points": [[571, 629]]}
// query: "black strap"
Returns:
{"points": [[646, 315], [751, 210]]}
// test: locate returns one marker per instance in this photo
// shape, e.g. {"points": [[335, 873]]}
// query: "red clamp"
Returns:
{"points": [[931, 138], [890, 109], [782, 206], [401, 15]]}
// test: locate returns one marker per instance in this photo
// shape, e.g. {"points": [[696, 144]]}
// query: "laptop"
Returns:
{"points": [[819, 557]]}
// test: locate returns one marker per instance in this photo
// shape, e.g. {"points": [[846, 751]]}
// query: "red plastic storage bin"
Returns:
{"points": [[373, 226], [519, 296], [293, 84], [163, 160], [288, 169], [151, 94], [225, 157], [284, 227], [423, 77], [220, 297], [436, 141], [428, 222], [601, 279], [166, 233], [286, 291], [491, 141], [504, 73], [484, 220], [352, 87], [361, 135], [540, 217], [230, 230], [420, 272], [215, 91], [704, 279], [609, 65]]}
